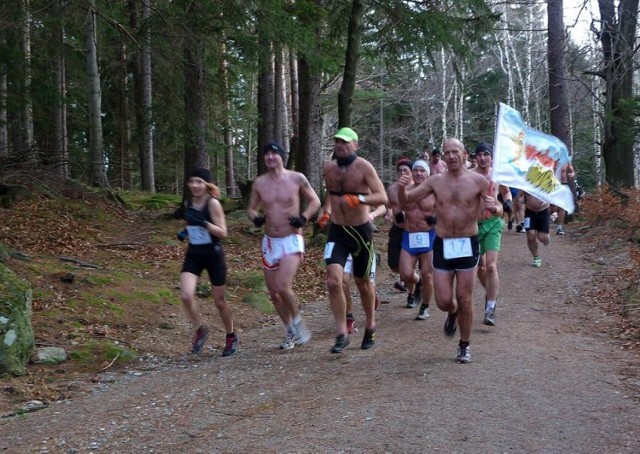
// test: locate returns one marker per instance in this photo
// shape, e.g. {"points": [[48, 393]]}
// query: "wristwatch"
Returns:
{"points": [[361, 199]]}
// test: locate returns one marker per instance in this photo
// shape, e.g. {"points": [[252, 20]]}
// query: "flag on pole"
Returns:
{"points": [[527, 159]]}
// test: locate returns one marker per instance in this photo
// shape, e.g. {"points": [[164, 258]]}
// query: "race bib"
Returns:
{"points": [[328, 250], [419, 240], [198, 235], [454, 248], [526, 223]]}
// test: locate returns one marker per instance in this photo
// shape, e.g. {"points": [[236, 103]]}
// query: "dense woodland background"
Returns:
{"points": [[131, 94]]}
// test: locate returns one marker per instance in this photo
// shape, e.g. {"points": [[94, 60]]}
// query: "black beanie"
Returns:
{"points": [[484, 147], [274, 146], [205, 174]]}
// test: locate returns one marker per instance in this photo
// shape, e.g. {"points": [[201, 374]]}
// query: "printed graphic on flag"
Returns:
{"points": [[527, 159]]}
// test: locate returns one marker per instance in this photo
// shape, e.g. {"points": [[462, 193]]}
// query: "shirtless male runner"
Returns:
{"points": [[536, 224], [460, 195], [396, 217], [278, 192], [490, 226], [417, 241], [436, 164], [352, 184]]}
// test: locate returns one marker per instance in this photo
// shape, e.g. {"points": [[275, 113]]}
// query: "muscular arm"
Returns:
{"points": [[378, 195], [254, 202], [313, 201], [417, 192], [379, 211]]}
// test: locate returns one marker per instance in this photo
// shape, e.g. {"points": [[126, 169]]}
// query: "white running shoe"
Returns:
{"points": [[288, 343], [301, 334]]}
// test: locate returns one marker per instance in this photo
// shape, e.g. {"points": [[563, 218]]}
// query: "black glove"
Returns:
{"points": [[259, 220], [431, 219], [183, 235], [195, 217], [298, 221], [399, 217], [507, 206]]}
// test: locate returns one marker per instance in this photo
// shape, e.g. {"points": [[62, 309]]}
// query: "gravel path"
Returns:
{"points": [[545, 379]]}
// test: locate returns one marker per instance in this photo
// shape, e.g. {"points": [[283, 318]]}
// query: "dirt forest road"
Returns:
{"points": [[546, 379]]}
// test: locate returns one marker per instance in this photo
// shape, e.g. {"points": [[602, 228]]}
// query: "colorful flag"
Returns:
{"points": [[527, 159]]}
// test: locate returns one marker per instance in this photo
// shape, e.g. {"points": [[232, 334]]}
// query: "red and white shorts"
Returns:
{"points": [[274, 249]]}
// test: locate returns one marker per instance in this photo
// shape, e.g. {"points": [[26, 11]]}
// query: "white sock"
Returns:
{"points": [[491, 304]]}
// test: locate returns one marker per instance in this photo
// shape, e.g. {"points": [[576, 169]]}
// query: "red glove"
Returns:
{"points": [[324, 219], [352, 200]]}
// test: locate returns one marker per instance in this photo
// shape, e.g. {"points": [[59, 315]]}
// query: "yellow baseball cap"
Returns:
{"points": [[346, 134]]}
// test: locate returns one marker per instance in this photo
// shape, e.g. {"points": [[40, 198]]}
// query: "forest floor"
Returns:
{"points": [[559, 372]]}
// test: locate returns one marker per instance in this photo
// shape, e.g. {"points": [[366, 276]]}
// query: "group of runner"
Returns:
{"points": [[446, 219]]}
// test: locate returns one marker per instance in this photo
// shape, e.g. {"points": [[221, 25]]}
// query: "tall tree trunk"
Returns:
{"points": [[281, 117], [618, 39], [4, 131], [556, 45], [310, 157], [293, 108], [230, 174], [121, 171], [352, 58], [97, 174], [195, 121], [266, 125], [61, 154], [27, 114], [144, 103]]}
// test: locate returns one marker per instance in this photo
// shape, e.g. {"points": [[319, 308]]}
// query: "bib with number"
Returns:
{"points": [[198, 235], [454, 248], [419, 240]]}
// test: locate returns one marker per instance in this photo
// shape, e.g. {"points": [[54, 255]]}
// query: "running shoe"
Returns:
{"points": [[342, 342], [411, 302], [369, 338], [301, 334], [464, 353], [231, 345], [288, 342], [199, 338], [352, 327], [489, 316], [423, 314], [399, 285], [451, 325], [510, 224], [559, 231], [417, 291], [537, 261], [519, 228]]}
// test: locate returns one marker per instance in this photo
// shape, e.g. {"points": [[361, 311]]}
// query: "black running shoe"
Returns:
{"points": [[369, 338], [231, 345], [411, 301], [451, 325], [342, 342], [199, 338]]}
